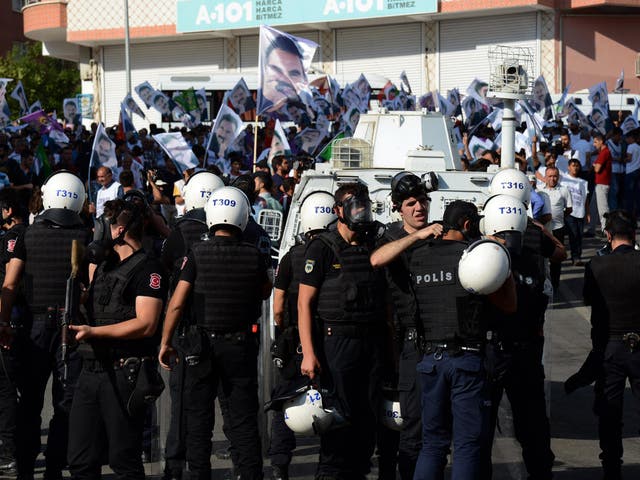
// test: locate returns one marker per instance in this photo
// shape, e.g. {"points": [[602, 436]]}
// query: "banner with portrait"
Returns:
{"points": [[178, 150], [226, 128], [103, 151], [283, 63]]}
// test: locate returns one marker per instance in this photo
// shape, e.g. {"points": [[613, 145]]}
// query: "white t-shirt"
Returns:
{"points": [[560, 200], [578, 188], [104, 195], [633, 151]]}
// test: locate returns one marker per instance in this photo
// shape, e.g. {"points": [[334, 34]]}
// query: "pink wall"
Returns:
{"points": [[10, 27], [597, 47]]}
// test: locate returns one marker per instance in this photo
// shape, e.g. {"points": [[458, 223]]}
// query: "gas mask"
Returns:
{"points": [[98, 250], [357, 214]]}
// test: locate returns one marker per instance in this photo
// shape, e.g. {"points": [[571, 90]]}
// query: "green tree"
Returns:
{"points": [[47, 79]]}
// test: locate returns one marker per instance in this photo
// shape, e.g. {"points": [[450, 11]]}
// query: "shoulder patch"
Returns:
{"points": [[308, 266], [11, 245], [155, 280]]}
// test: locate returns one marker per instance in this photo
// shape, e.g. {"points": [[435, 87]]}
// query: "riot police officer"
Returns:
{"points": [[47, 258], [453, 324], [517, 340], [316, 215], [409, 196], [119, 375], [610, 288], [188, 230], [226, 304], [340, 321], [11, 252]]}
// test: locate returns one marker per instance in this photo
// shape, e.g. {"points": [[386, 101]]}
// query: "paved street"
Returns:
{"points": [[573, 425]]}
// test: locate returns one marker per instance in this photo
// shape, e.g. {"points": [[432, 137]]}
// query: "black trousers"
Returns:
{"points": [[97, 415], [41, 358], [350, 373], [521, 377], [174, 452], [619, 365], [411, 410], [283, 440], [8, 403], [232, 365]]}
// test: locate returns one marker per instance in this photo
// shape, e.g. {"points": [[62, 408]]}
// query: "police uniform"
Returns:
{"points": [[48, 265], [455, 396], [610, 287], [188, 230], [255, 235], [12, 246], [102, 404], [515, 353], [283, 440], [347, 335], [226, 303], [398, 279]]}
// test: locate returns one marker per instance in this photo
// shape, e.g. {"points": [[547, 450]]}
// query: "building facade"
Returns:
{"points": [[441, 44], [11, 29]]}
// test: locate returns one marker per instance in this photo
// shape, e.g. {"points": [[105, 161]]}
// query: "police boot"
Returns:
{"points": [[280, 472]]}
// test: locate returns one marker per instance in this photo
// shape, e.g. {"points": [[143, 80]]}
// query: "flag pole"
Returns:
{"points": [[255, 143]]}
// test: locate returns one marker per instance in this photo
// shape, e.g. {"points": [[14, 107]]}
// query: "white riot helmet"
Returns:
{"points": [[316, 212], [227, 206], [503, 213], [305, 415], [198, 189], [391, 415], [484, 267], [512, 182], [63, 190]]}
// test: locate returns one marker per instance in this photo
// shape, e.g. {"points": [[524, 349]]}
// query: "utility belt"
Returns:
{"points": [[352, 331], [508, 345], [197, 341], [49, 317], [453, 347], [630, 339], [136, 380]]}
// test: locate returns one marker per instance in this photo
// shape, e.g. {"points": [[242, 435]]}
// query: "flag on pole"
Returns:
{"points": [[563, 99], [178, 150], [279, 143], [21, 97], [133, 106], [226, 128], [103, 152], [404, 80], [43, 164], [283, 63]]}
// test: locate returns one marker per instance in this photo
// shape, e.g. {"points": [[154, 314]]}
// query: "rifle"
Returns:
{"points": [[71, 301]]}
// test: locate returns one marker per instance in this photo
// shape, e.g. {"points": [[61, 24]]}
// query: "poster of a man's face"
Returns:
{"points": [[161, 103], [70, 110], [599, 120], [541, 94], [599, 97], [203, 104], [241, 99], [105, 149], [146, 92], [284, 60], [307, 141], [226, 128]]}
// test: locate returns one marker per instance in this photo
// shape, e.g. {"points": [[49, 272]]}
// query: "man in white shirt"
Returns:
{"points": [[578, 188], [632, 177], [561, 205], [110, 189]]}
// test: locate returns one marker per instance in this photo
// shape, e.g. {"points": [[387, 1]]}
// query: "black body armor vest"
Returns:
{"points": [[354, 296], [227, 287], [192, 228], [617, 276], [109, 307], [48, 263], [529, 275], [446, 310]]}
